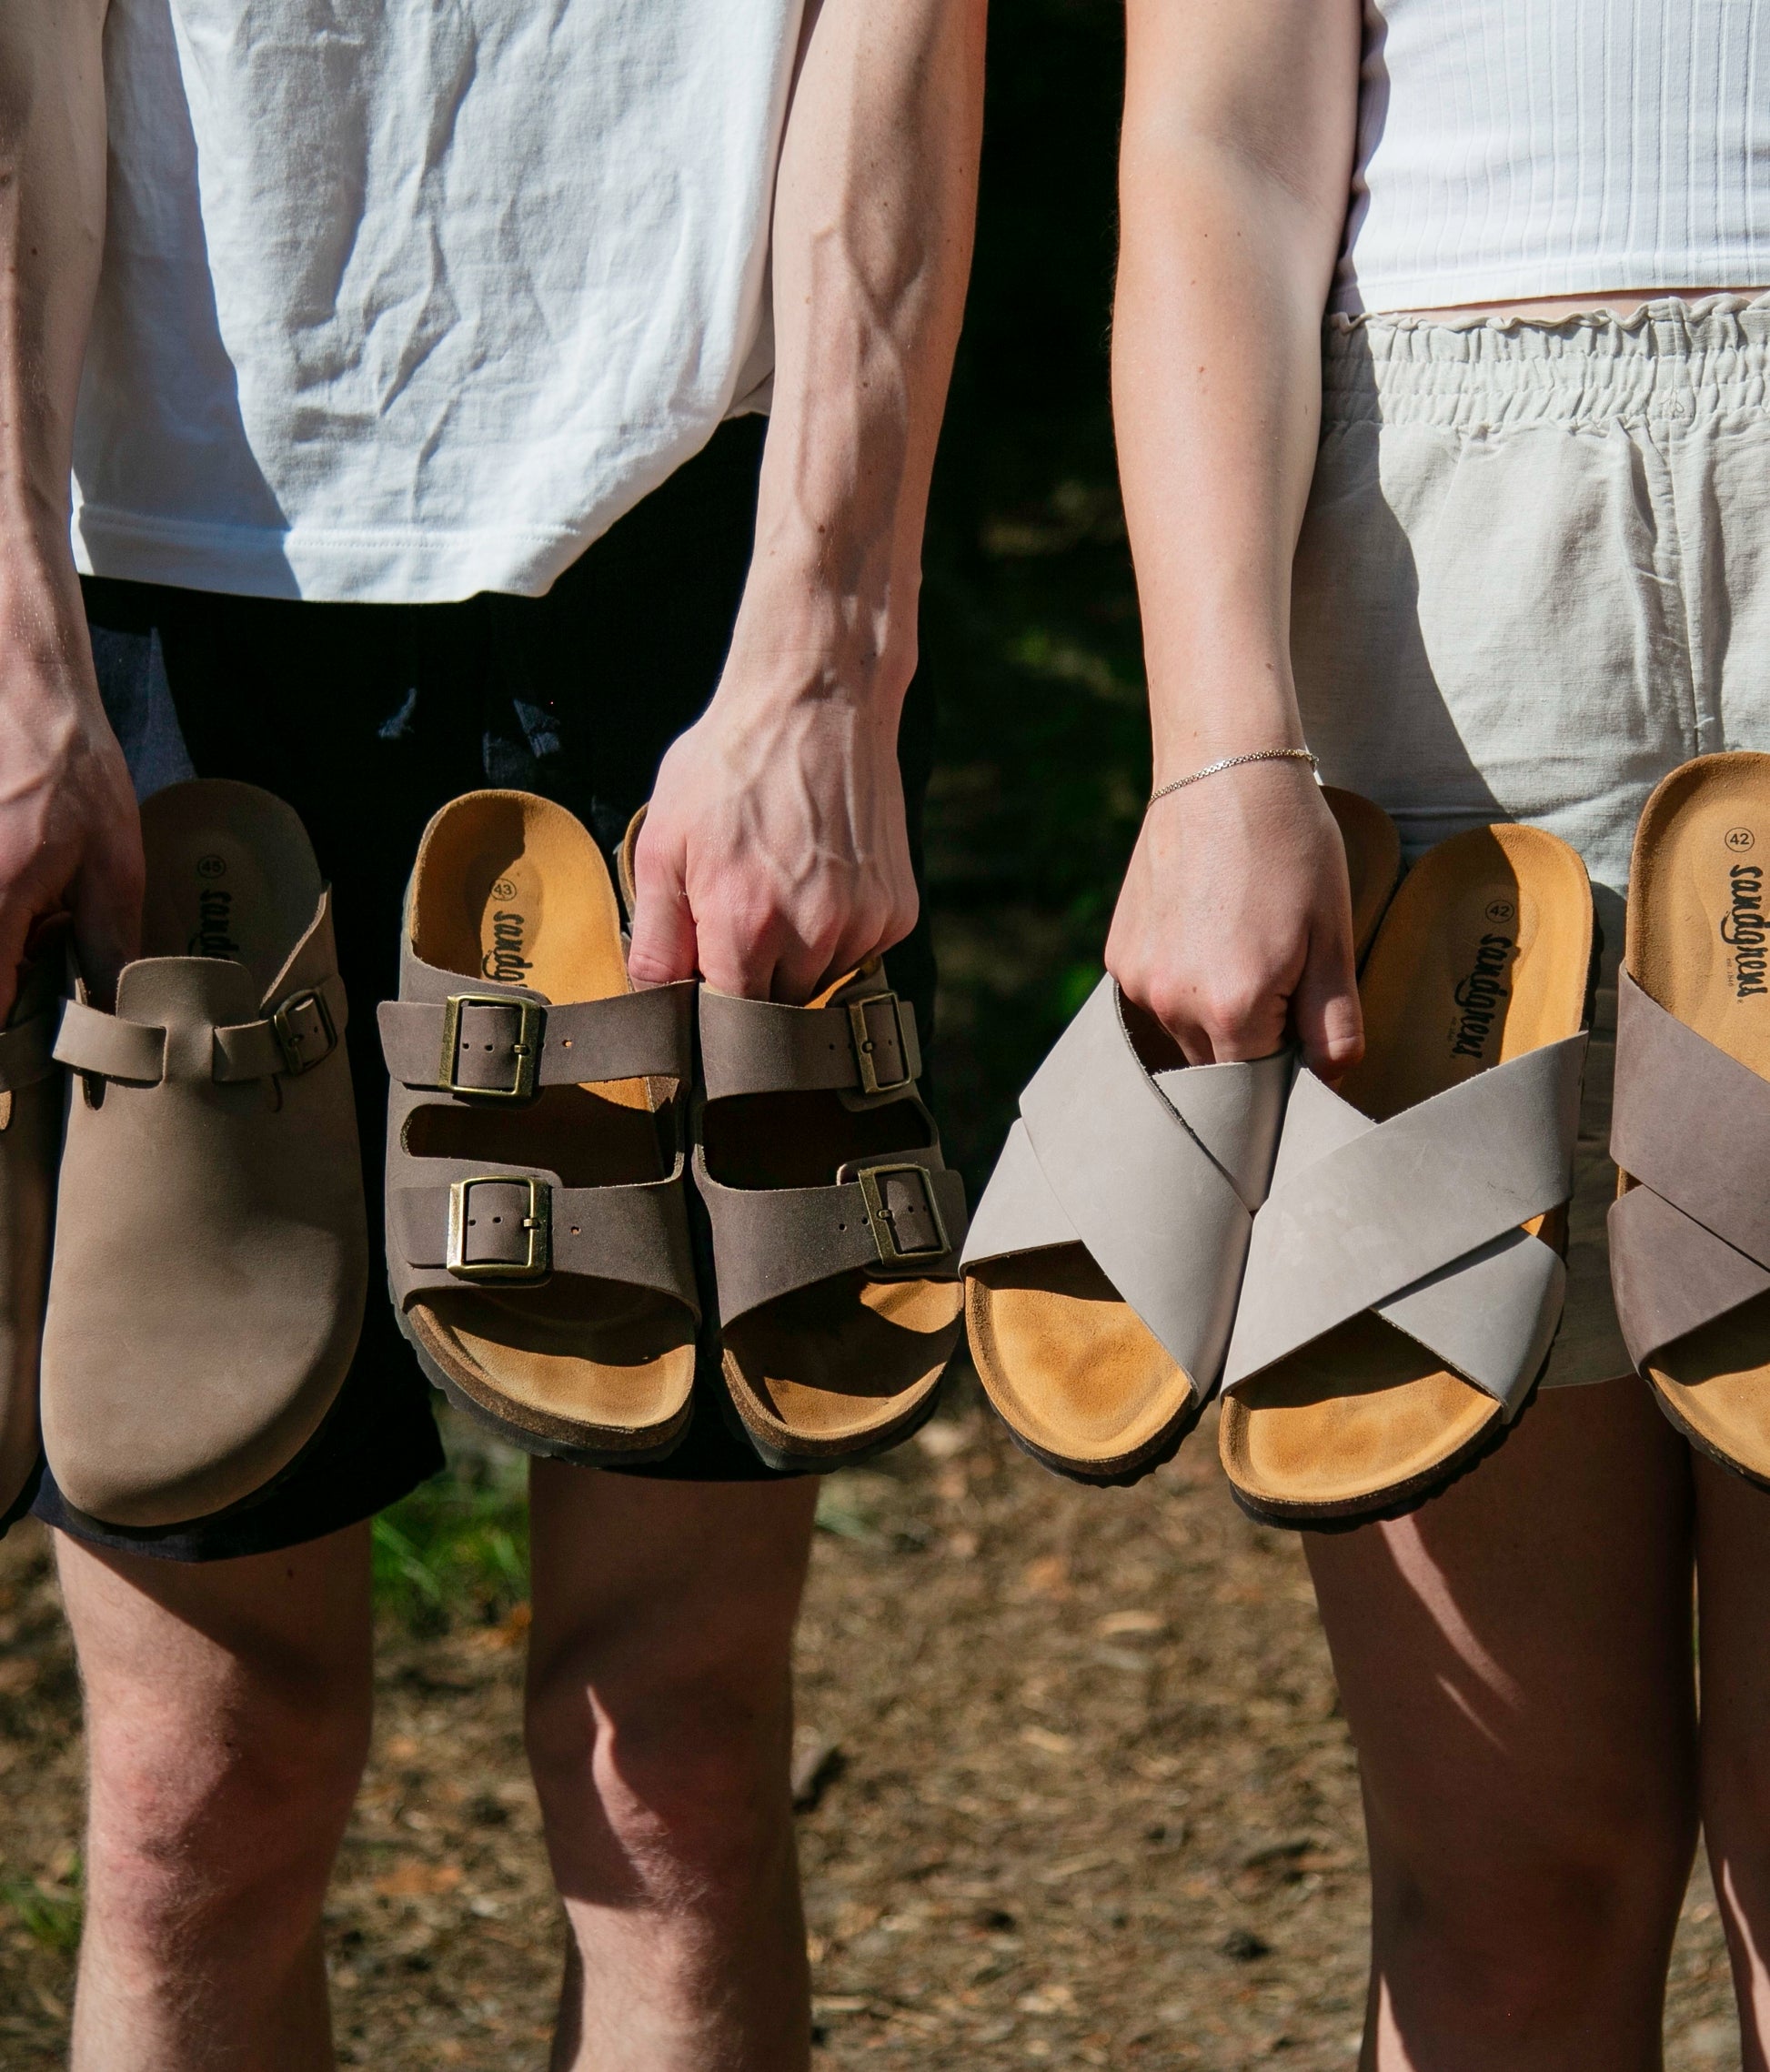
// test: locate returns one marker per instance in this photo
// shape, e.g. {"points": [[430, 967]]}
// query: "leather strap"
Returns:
{"points": [[28, 1053], [1691, 1126], [640, 1035], [867, 1044], [881, 1217], [1417, 1218], [637, 1234], [1156, 1174], [296, 1035]]}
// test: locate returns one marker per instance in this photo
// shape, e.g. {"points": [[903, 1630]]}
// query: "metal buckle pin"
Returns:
{"points": [[526, 1052], [292, 1042], [866, 1054], [878, 1214], [537, 1261]]}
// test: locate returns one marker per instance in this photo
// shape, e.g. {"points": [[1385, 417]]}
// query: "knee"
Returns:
{"points": [[679, 1772], [1525, 1915], [204, 1798]]}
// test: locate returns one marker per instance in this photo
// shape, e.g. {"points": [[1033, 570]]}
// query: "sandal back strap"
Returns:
{"points": [[1691, 1126], [1417, 1218]]}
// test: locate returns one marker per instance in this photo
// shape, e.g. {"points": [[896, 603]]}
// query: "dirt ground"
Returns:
{"points": [[1083, 1797]]}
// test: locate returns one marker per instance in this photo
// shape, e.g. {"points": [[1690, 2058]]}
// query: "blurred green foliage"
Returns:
{"points": [[1030, 618], [49, 1913], [456, 1550]]}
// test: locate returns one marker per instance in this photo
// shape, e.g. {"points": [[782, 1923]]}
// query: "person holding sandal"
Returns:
{"points": [[455, 406], [1489, 547]]}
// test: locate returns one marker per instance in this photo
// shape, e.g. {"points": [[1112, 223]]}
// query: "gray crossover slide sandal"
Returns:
{"points": [[1404, 1282], [1105, 1258]]}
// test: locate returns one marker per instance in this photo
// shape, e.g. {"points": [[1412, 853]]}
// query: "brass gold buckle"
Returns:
{"points": [[879, 1216], [526, 1052], [866, 1057], [290, 1041], [537, 1261]]}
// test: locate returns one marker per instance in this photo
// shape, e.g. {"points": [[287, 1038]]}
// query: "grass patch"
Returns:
{"points": [[456, 1550], [49, 1913]]}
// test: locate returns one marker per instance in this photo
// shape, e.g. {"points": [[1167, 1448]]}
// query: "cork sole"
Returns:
{"points": [[1365, 1417], [513, 887], [1702, 846], [1080, 1379]]}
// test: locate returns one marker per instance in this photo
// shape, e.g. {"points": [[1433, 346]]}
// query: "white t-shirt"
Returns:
{"points": [[404, 299]]}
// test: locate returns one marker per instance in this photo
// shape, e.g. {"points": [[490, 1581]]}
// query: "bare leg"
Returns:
{"points": [[1732, 1560], [1515, 1663], [659, 1730], [227, 1716]]}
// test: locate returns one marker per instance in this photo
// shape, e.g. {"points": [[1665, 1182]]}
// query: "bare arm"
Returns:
{"points": [[68, 832], [1234, 174], [775, 854]]}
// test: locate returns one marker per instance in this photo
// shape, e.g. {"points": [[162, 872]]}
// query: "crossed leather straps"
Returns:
{"points": [[1691, 1240]]}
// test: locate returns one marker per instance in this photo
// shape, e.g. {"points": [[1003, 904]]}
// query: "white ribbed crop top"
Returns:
{"points": [[1509, 148]]}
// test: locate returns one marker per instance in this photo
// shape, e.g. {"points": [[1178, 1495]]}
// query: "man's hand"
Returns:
{"points": [[774, 857], [70, 837]]}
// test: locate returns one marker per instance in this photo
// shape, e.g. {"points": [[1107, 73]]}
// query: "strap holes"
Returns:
{"points": [[576, 1229], [565, 1043]]}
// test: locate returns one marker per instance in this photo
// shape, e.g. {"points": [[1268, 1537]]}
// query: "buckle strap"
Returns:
{"points": [[295, 1036], [900, 1218], [28, 1053], [504, 1046], [519, 1227], [299, 1034], [866, 1045], [90, 1041]]}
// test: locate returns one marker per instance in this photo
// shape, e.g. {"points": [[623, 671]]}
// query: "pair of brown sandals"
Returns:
{"points": [[571, 1163], [1371, 1276], [184, 1254]]}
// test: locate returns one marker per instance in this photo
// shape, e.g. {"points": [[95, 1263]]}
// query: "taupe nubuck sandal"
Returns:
{"points": [[836, 1224], [1105, 1257], [1690, 1231], [537, 1239], [1404, 1282], [211, 1252], [30, 1142]]}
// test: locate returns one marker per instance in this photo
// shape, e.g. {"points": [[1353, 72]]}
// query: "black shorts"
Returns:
{"points": [[368, 718]]}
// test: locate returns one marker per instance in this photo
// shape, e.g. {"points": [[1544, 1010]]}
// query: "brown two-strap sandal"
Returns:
{"points": [[210, 1255], [537, 1239], [1690, 1230], [1105, 1257], [30, 1144], [836, 1224], [1404, 1282]]}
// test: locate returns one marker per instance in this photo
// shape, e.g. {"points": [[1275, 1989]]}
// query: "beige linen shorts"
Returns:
{"points": [[1533, 577]]}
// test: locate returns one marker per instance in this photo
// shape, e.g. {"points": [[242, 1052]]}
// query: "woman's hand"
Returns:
{"points": [[1235, 923], [774, 857]]}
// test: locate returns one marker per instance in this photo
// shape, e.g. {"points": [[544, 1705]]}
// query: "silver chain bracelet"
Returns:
{"points": [[1229, 763]]}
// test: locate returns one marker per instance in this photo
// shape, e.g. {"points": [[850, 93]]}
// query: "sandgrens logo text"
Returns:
{"points": [[505, 961], [1482, 997], [1742, 931]]}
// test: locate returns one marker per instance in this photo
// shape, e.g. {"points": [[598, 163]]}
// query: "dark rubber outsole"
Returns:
{"points": [[1706, 1447]]}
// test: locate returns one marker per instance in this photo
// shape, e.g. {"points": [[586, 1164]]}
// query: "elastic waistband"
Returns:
{"points": [[1671, 360]]}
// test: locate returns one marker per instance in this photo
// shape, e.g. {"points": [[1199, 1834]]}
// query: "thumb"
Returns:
{"points": [[662, 947], [1325, 1016]]}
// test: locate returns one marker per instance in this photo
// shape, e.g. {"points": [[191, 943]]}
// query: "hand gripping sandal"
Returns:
{"points": [[1690, 1233], [1103, 1261], [538, 1240], [30, 1139], [836, 1224], [210, 1250], [1404, 1282]]}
